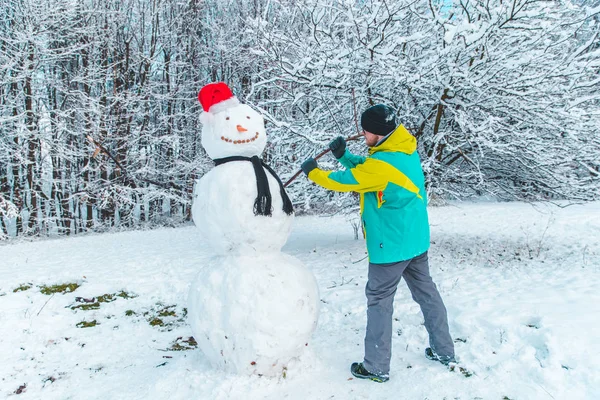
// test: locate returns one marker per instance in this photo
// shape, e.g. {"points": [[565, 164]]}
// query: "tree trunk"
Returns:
{"points": [[33, 144]]}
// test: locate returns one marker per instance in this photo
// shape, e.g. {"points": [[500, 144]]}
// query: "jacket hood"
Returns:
{"points": [[399, 140]]}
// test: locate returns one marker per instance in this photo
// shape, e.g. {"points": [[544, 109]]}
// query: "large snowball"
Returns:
{"points": [[223, 210], [253, 313], [235, 131]]}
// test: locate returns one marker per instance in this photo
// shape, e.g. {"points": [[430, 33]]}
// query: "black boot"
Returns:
{"points": [[359, 371], [432, 355]]}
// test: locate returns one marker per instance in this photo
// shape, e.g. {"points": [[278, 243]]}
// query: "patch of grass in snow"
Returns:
{"points": [[94, 302], [87, 324], [126, 295], [166, 317], [64, 288], [182, 345], [156, 322], [462, 370], [106, 298], [167, 313], [86, 307], [23, 287]]}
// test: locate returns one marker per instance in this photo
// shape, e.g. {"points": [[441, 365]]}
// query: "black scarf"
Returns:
{"points": [[262, 204]]}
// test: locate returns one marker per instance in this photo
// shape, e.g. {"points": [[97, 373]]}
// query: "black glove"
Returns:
{"points": [[338, 147], [309, 165]]}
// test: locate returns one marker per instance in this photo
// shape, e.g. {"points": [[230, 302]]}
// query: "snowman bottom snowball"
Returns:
{"points": [[253, 314]]}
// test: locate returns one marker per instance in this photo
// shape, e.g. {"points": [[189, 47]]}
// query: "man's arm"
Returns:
{"points": [[339, 151], [371, 176], [363, 178], [349, 160]]}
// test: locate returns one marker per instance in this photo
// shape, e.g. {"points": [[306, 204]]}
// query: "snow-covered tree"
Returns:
{"points": [[501, 96]]}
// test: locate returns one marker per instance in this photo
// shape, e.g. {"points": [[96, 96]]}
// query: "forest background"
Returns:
{"points": [[99, 124]]}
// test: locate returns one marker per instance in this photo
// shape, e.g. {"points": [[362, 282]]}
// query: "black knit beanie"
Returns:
{"points": [[379, 120]]}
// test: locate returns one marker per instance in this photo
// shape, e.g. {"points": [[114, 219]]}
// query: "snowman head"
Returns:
{"points": [[228, 127]]}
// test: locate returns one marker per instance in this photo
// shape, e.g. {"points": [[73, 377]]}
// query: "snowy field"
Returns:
{"points": [[521, 283]]}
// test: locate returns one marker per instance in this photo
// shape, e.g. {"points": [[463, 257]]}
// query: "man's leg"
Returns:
{"points": [[425, 293], [380, 291]]}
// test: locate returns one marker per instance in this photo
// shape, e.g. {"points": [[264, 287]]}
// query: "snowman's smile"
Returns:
{"points": [[239, 141]]}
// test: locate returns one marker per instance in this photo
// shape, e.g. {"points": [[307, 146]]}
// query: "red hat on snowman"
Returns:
{"points": [[217, 97]]}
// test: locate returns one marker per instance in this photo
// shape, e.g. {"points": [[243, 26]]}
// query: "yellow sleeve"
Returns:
{"points": [[365, 177], [371, 176]]}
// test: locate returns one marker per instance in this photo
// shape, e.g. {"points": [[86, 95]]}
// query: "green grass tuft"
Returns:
{"points": [[126, 295], [165, 317], [87, 324], [86, 307], [156, 322], [64, 288], [22, 288], [182, 345], [106, 298], [167, 313], [94, 303]]}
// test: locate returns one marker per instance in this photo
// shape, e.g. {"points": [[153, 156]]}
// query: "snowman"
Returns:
{"points": [[252, 308]]}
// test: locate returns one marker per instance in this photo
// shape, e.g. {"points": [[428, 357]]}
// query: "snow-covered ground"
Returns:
{"points": [[521, 283]]}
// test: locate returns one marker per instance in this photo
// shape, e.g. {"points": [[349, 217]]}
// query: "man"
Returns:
{"points": [[393, 205]]}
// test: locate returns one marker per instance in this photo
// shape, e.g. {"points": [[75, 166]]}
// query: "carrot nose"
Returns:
{"points": [[241, 129]]}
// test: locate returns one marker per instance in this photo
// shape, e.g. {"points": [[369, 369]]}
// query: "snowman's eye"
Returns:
{"points": [[227, 118], [247, 117]]}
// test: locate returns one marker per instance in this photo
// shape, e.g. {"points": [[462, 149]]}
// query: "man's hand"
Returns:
{"points": [[338, 147], [309, 165]]}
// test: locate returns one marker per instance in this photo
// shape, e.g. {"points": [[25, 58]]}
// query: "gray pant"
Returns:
{"points": [[381, 288]]}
